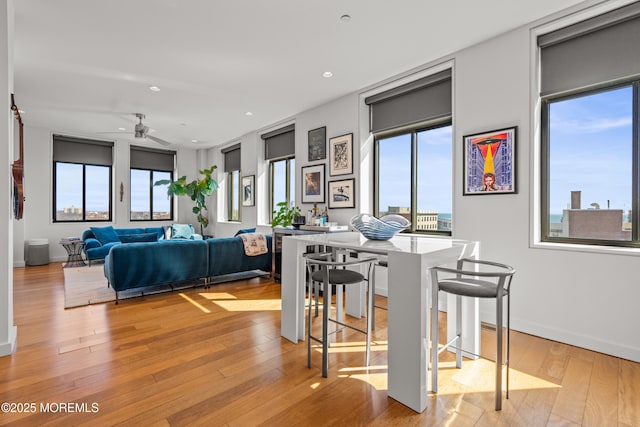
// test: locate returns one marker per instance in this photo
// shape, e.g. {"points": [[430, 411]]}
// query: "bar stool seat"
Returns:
{"points": [[325, 269]]}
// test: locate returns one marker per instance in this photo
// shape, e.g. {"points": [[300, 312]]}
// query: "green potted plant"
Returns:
{"points": [[285, 215], [197, 190]]}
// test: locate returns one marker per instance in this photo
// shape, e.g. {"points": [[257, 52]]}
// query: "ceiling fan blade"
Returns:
{"points": [[158, 140]]}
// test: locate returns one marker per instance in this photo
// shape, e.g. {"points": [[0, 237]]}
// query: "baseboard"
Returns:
{"points": [[6, 348]]}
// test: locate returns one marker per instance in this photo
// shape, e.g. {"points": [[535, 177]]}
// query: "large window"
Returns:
{"points": [[413, 153], [232, 161], [150, 202], [82, 179], [413, 178], [279, 151], [590, 158]]}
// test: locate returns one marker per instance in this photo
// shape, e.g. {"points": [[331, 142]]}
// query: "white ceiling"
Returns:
{"points": [[85, 66]]}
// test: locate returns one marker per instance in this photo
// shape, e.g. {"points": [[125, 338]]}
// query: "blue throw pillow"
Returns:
{"points": [[245, 231], [105, 234], [182, 231], [139, 237]]}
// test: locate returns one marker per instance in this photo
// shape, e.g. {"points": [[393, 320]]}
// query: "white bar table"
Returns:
{"points": [[409, 258]]}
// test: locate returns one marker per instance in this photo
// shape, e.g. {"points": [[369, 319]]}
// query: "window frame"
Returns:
{"points": [[413, 131], [84, 193], [545, 183], [151, 187], [288, 175], [231, 197]]}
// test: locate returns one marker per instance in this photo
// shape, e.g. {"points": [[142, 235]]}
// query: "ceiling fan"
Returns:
{"points": [[141, 131]]}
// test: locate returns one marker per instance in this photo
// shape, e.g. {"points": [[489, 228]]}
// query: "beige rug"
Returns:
{"points": [[87, 285]]}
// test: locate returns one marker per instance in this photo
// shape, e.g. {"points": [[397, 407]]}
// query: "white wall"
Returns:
{"points": [[588, 299]]}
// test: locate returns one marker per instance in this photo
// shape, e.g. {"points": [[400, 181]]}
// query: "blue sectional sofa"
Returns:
{"points": [[137, 265], [95, 249]]}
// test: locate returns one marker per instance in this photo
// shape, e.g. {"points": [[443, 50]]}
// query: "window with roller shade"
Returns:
{"points": [[147, 166], [413, 157], [589, 87], [280, 153], [82, 175], [232, 171]]}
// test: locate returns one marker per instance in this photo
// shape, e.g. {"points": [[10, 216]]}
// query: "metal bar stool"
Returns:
{"points": [[482, 283], [324, 269]]}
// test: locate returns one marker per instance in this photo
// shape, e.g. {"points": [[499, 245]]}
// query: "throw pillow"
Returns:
{"points": [[139, 237], [105, 234], [245, 231], [181, 231]]}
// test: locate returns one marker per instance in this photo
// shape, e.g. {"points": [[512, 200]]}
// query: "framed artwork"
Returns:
{"points": [[342, 194], [313, 184], [317, 144], [489, 162], [341, 155], [248, 190]]}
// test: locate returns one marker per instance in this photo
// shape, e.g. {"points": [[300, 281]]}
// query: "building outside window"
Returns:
{"points": [[148, 201], [82, 178], [590, 158]]}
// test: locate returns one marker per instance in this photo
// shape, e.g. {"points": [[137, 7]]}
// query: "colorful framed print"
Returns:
{"points": [[342, 194], [489, 162], [341, 155], [313, 184], [248, 190], [317, 144]]}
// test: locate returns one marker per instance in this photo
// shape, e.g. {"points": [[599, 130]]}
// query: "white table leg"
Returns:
{"points": [[292, 290]]}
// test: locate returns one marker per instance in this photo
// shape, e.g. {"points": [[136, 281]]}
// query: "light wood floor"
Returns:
{"points": [[215, 357]]}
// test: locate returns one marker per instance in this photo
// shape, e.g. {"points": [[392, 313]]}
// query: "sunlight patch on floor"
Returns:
{"points": [[217, 295], [195, 303], [250, 305]]}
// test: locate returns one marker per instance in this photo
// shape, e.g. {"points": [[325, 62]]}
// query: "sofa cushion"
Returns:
{"points": [[245, 231], [105, 234], [182, 231], [141, 237]]}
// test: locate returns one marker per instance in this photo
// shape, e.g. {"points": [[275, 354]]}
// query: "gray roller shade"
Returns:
{"points": [[231, 158], [280, 143], [80, 150], [420, 101], [599, 50], [152, 159]]}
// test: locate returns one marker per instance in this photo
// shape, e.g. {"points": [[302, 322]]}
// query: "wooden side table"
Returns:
{"points": [[74, 252]]}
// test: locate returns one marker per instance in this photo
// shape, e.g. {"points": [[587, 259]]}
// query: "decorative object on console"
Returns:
{"points": [[313, 184], [197, 190], [379, 229], [483, 174], [341, 155], [317, 144]]}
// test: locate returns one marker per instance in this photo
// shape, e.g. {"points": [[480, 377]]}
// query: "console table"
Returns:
{"points": [[409, 259]]}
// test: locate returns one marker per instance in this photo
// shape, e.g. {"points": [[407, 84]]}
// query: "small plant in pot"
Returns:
{"points": [[286, 215]]}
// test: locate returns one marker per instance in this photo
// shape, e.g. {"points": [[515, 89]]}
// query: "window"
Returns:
{"points": [[150, 202], [279, 148], [232, 170], [81, 179], [423, 193], [590, 152], [413, 153]]}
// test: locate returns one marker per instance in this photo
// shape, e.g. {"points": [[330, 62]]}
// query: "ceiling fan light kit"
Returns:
{"points": [[141, 131]]}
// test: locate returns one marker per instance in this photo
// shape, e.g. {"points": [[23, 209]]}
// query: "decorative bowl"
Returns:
{"points": [[379, 228]]}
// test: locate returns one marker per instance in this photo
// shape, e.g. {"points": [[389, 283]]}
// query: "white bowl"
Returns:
{"points": [[379, 229]]}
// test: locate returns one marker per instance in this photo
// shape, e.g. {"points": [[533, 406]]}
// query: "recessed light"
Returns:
{"points": [[248, 113], [327, 74], [121, 129], [154, 88], [345, 18], [194, 140]]}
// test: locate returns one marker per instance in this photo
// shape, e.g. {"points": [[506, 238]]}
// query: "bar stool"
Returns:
{"points": [[325, 269], [482, 283]]}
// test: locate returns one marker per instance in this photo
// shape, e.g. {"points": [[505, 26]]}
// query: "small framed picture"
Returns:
{"points": [[313, 184], [489, 162], [318, 144], [341, 155], [248, 190], [342, 194]]}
